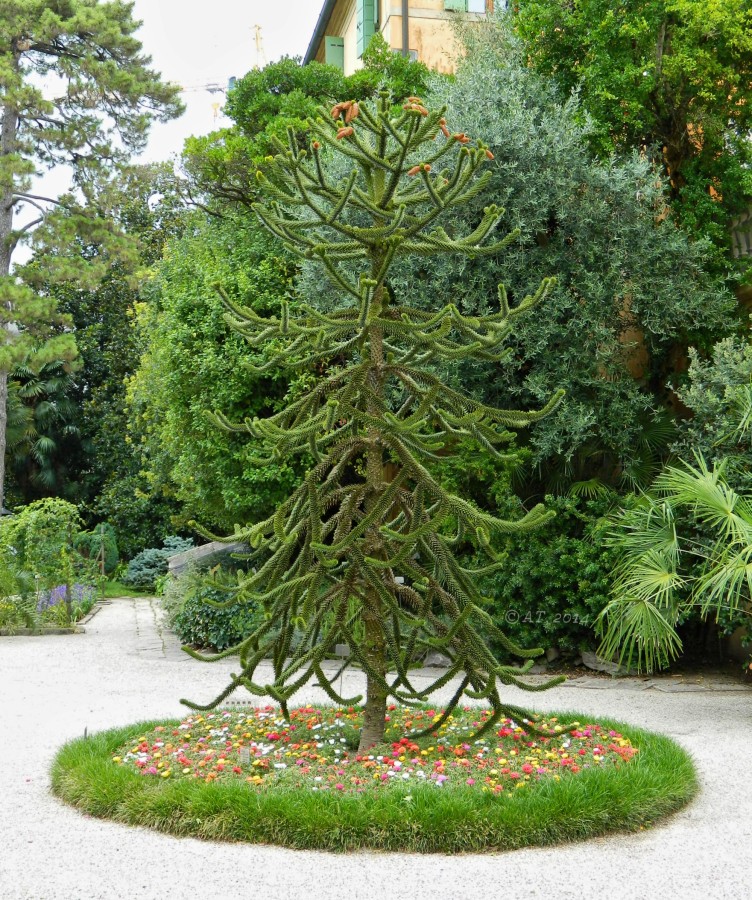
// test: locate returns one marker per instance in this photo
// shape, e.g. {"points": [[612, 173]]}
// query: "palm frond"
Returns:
{"points": [[591, 489], [637, 633], [726, 582], [651, 576], [707, 494]]}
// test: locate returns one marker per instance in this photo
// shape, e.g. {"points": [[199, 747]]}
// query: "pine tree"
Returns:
{"points": [[75, 90], [363, 551]]}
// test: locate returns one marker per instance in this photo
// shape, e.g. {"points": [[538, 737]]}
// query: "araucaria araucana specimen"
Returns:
{"points": [[363, 552]]}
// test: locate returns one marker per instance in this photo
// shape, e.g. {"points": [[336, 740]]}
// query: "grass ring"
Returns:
{"points": [[657, 782]]}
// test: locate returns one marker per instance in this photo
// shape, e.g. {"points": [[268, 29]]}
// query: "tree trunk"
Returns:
{"points": [[374, 714], [373, 614], [7, 147], [3, 431]]}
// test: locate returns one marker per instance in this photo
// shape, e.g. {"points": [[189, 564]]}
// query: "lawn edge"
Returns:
{"points": [[639, 795]]}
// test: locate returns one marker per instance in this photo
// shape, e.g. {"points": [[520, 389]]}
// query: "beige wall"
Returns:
{"points": [[431, 33]]}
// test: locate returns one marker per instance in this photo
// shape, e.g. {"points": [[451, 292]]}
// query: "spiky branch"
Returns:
{"points": [[363, 551]]}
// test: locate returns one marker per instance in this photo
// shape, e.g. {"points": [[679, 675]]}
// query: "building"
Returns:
{"points": [[421, 29]]}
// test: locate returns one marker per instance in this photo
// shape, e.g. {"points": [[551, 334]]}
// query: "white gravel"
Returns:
{"points": [[125, 669]]}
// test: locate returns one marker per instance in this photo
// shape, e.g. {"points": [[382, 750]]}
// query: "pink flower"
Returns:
{"points": [[470, 781], [340, 787]]}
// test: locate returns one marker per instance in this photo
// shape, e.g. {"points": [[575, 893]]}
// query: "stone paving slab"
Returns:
{"points": [[128, 668]]}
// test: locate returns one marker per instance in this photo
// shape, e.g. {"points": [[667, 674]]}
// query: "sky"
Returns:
{"points": [[196, 43]]}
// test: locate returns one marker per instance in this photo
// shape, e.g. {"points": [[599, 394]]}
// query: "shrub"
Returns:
{"points": [[144, 569], [89, 544], [718, 393], [39, 564], [556, 581], [42, 536], [200, 623]]}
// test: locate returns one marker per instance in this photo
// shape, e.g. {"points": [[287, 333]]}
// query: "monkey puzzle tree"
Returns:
{"points": [[363, 551]]}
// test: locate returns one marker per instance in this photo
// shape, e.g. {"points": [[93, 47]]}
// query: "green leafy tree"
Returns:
{"points": [[363, 550], [269, 101], [189, 364], [671, 77], [632, 289], [718, 394], [74, 90], [105, 472]]}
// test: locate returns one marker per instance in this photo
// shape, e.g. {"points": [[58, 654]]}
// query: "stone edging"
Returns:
{"points": [[56, 629]]}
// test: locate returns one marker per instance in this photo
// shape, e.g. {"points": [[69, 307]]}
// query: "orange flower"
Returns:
{"points": [[345, 132], [414, 170], [352, 113], [489, 154]]}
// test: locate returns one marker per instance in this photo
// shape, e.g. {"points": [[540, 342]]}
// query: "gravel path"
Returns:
{"points": [[126, 669]]}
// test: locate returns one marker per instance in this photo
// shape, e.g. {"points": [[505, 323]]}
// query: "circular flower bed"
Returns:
{"points": [[314, 750], [249, 775]]}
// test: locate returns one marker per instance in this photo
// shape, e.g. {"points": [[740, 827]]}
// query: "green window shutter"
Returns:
{"points": [[365, 11], [456, 5], [335, 51]]}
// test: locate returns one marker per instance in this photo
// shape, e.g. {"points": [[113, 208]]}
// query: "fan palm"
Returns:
{"points": [[44, 413], [655, 582]]}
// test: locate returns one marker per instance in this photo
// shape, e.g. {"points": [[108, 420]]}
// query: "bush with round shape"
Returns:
{"points": [[194, 603], [144, 569]]}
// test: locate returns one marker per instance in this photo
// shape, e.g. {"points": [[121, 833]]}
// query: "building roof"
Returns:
{"points": [[319, 31]]}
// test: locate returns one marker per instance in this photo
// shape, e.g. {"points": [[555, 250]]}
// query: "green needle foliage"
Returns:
{"points": [[363, 551]]}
